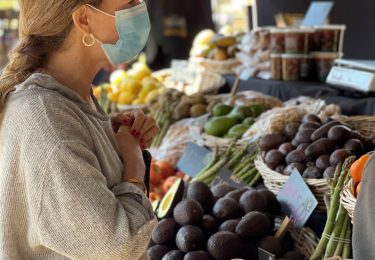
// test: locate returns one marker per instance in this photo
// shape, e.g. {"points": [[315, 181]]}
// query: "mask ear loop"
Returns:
{"points": [[100, 11]]}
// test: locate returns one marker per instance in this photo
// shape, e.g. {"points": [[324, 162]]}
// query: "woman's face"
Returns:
{"points": [[103, 26]]}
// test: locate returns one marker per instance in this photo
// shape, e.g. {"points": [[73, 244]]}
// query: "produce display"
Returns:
{"points": [[172, 106], [209, 45], [219, 223], [356, 172], [313, 147], [232, 122], [162, 177], [239, 160], [336, 238]]}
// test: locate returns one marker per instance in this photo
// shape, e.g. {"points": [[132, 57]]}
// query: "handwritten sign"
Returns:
{"points": [[264, 255], [318, 13], [227, 177], [194, 159], [296, 200]]}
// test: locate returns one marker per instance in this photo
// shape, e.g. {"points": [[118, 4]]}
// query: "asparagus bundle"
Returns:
{"points": [[239, 160], [163, 118], [337, 232]]}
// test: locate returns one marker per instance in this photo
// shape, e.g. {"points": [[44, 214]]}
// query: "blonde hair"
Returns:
{"points": [[44, 25]]}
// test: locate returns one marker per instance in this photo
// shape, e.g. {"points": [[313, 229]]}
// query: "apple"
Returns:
{"points": [[155, 174], [180, 174], [166, 168], [169, 182]]}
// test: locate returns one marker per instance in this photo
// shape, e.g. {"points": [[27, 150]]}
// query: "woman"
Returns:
{"points": [[70, 184]]}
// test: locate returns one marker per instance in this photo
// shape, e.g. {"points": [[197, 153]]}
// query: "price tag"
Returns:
{"points": [[194, 159], [227, 177], [296, 200], [264, 255], [318, 13]]}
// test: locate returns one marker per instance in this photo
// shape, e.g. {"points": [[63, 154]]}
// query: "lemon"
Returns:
{"points": [[117, 77], [113, 96], [138, 101], [151, 95], [130, 84], [97, 91], [125, 98]]}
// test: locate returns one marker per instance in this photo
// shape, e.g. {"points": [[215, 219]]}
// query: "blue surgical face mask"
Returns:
{"points": [[133, 27]]}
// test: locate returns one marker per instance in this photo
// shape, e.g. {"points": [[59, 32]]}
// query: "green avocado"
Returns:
{"points": [[249, 121], [220, 125], [257, 109], [241, 112], [221, 110], [237, 131]]}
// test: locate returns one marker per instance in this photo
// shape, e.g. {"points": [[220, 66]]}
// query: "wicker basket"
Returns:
{"points": [[363, 124], [305, 241], [348, 200], [274, 181], [221, 67]]}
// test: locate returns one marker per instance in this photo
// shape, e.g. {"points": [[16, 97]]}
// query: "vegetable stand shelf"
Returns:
{"points": [[351, 103]]}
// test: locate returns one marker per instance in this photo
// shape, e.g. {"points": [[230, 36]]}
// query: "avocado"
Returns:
{"points": [[237, 131], [170, 199], [367, 143], [274, 158], [225, 245], [236, 194], [198, 255], [155, 206], [304, 136], [271, 141], [226, 208], [165, 231], [221, 110], [290, 168], [249, 121], [202, 193], [174, 255], [309, 125], [286, 148], [229, 225], [221, 190], [189, 238], [329, 172], [302, 147], [339, 133], [355, 146], [291, 130], [252, 225], [322, 131], [319, 147], [198, 110], [296, 156], [280, 169], [253, 201], [157, 252], [257, 109], [219, 126], [209, 224], [339, 156], [313, 172], [271, 245], [151, 244], [273, 205], [241, 112], [323, 162], [311, 118], [188, 212]]}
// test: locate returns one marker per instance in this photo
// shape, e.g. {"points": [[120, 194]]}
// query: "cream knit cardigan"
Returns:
{"points": [[61, 195]]}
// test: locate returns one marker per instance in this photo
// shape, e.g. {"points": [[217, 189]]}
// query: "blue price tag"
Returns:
{"points": [[227, 177], [318, 13], [296, 200], [194, 159]]}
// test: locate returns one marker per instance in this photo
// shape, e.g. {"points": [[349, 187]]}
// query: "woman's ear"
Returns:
{"points": [[81, 19]]}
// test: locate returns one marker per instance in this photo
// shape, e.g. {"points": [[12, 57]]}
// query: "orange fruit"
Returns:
{"points": [[356, 170], [358, 189]]}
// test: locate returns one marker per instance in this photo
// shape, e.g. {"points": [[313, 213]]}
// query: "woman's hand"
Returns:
{"points": [[141, 126], [131, 153]]}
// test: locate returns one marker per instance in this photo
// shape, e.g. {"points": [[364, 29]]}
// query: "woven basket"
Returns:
{"points": [[274, 181], [221, 67], [348, 200], [305, 241], [363, 124]]}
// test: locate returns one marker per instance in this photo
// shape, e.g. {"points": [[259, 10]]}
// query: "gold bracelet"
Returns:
{"points": [[139, 183]]}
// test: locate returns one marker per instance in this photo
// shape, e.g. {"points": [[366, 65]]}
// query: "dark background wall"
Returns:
{"points": [[358, 15]]}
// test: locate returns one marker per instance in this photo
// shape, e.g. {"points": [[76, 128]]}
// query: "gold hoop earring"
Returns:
{"points": [[85, 42]]}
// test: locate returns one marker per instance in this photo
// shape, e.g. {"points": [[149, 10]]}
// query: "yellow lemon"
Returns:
{"points": [[139, 73], [126, 98], [97, 91], [113, 96], [117, 77], [138, 101], [150, 96], [130, 84]]}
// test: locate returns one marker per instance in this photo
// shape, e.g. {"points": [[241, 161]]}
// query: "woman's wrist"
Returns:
{"points": [[133, 166]]}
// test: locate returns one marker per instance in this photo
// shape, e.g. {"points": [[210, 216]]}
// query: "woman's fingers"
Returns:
{"points": [[119, 119], [148, 124], [139, 119], [150, 134], [146, 144]]}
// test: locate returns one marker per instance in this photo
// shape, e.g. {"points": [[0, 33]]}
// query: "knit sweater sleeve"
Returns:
{"points": [[81, 218]]}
